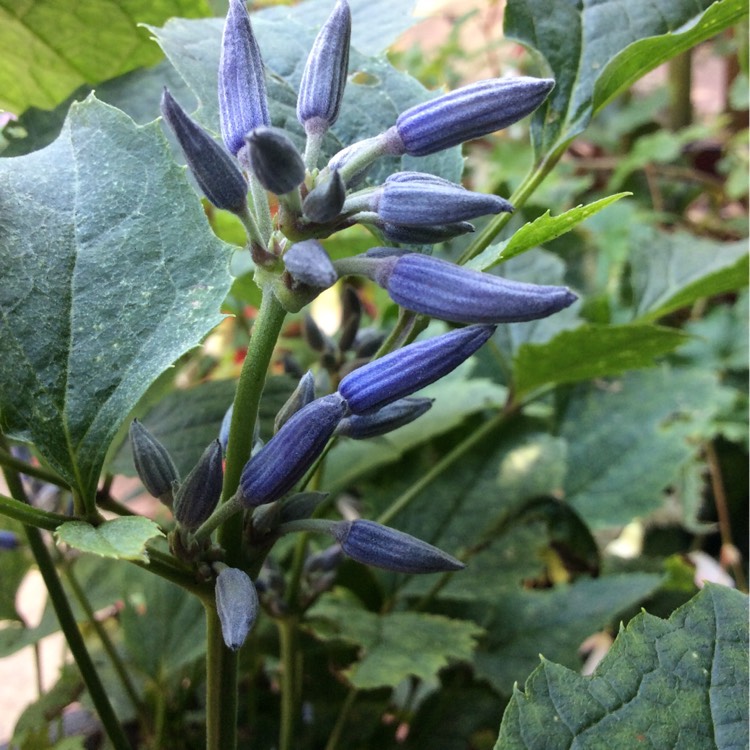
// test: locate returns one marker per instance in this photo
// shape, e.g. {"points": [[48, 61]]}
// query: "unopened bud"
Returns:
{"points": [[199, 494], [385, 420], [303, 394], [153, 463], [325, 201], [237, 605], [308, 263], [274, 160]]}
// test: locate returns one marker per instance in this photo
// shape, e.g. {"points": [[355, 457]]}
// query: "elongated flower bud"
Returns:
{"points": [[469, 112], [372, 544], [282, 461], [389, 418], [406, 370], [324, 78], [237, 605], [153, 463], [303, 395], [274, 160], [351, 316], [325, 201], [449, 292], [426, 235], [243, 103], [308, 263], [426, 202], [199, 494], [216, 173]]}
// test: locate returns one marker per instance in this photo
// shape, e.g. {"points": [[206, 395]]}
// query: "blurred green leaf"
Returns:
{"points": [[121, 538], [136, 279], [14, 564], [57, 46], [664, 683]]}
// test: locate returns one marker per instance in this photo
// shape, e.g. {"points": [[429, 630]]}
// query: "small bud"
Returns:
{"points": [[372, 544], [237, 605], [406, 370], [8, 540], [446, 291], [367, 342], [308, 263], [325, 201], [216, 173], [303, 394], [389, 418], [153, 463], [301, 505], [469, 112], [315, 338], [243, 103], [282, 461], [274, 160], [199, 494], [351, 315], [426, 235], [324, 77]]}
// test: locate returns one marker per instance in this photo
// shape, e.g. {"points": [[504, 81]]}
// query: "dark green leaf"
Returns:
{"points": [[680, 682], [121, 277]]}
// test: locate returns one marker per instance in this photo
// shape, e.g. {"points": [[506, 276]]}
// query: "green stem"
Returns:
{"points": [[346, 707], [290, 688], [262, 210], [29, 515], [10, 461], [223, 513], [221, 704]]}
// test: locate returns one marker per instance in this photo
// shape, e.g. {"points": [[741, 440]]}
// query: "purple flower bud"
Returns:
{"points": [[153, 463], [237, 605], [425, 202], [303, 395], [389, 418], [324, 78], [274, 160], [243, 104], [199, 494], [449, 292], [308, 263], [216, 173], [372, 544], [325, 201], [406, 370], [469, 112], [276, 467], [427, 235]]}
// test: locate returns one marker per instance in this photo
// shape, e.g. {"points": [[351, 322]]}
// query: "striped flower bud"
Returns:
{"points": [[308, 263], [426, 235], [324, 77], [469, 112], [282, 461], [449, 292], [325, 201], [243, 103], [303, 394], [153, 463], [389, 418], [274, 160], [372, 544], [237, 605], [199, 494], [406, 370], [216, 173]]}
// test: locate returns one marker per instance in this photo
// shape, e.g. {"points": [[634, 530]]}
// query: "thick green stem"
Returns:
{"points": [[290, 687], [221, 703], [27, 514]]}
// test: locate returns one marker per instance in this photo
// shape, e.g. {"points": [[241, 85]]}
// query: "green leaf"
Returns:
{"points": [[543, 229], [591, 351], [122, 538], [581, 41], [394, 646], [58, 46], [111, 273], [671, 271], [680, 682]]}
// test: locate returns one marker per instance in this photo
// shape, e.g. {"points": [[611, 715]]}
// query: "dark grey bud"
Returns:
{"points": [[199, 494], [315, 338], [302, 395], [367, 342], [301, 505], [237, 605], [350, 317], [385, 420], [325, 201], [429, 235], [153, 463], [308, 263], [274, 160]]}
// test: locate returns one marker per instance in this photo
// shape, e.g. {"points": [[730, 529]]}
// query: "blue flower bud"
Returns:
{"points": [[324, 78], [372, 544], [325, 201], [389, 418], [237, 605], [243, 103], [8, 540], [449, 292], [153, 463], [282, 461], [425, 202], [199, 494], [469, 112], [406, 370], [303, 394], [426, 235], [216, 173], [274, 160], [308, 263]]}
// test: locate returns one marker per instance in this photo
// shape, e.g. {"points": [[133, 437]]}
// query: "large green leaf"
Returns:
{"points": [[672, 683], [52, 46], [582, 41], [110, 274]]}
